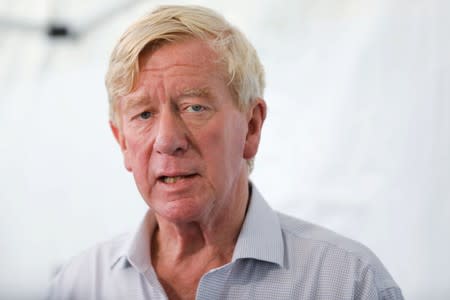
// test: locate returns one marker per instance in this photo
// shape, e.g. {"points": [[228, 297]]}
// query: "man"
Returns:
{"points": [[187, 108]]}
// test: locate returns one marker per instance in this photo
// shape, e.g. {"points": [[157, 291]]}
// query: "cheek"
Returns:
{"points": [[140, 160], [138, 153], [236, 133], [225, 144]]}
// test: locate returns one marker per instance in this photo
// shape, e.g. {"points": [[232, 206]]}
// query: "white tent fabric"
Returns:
{"points": [[357, 137]]}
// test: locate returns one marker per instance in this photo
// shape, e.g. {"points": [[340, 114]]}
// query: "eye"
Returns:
{"points": [[145, 115], [195, 108]]}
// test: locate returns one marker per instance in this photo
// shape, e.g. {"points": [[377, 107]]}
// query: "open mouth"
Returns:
{"points": [[174, 179]]}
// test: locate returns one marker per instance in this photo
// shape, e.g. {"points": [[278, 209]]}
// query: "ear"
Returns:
{"points": [[118, 135], [255, 116]]}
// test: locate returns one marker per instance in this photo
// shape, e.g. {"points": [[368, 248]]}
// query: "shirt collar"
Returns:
{"points": [[136, 250], [260, 237]]}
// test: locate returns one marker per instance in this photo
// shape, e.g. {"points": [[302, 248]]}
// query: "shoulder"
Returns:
{"points": [[79, 273], [101, 254], [326, 254], [299, 230]]}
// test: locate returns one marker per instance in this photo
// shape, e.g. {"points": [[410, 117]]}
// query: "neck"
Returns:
{"points": [[213, 237]]}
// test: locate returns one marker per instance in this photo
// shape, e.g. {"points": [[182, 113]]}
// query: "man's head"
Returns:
{"points": [[185, 91], [169, 24]]}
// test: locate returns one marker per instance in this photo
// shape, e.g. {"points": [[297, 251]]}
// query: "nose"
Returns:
{"points": [[171, 137]]}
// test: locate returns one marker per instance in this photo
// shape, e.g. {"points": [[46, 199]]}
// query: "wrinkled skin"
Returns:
{"points": [[183, 137]]}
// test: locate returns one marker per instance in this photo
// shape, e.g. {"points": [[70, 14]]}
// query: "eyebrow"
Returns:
{"points": [[135, 100], [194, 92]]}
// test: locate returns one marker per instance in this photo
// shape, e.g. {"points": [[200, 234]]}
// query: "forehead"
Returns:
{"points": [[187, 67], [190, 53]]}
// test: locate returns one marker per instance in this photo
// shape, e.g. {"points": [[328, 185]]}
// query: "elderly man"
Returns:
{"points": [[187, 108]]}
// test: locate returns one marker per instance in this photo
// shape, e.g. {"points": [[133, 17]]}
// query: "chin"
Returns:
{"points": [[181, 210]]}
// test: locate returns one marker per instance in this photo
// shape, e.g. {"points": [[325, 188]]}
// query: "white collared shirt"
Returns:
{"points": [[275, 257]]}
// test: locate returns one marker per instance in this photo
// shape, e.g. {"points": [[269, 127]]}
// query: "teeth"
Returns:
{"points": [[172, 179]]}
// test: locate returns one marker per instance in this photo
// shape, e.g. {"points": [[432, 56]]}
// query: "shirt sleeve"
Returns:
{"points": [[371, 287], [392, 293]]}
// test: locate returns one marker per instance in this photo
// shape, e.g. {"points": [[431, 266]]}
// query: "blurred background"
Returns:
{"points": [[357, 137]]}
